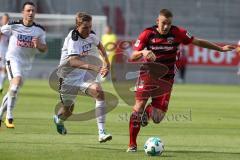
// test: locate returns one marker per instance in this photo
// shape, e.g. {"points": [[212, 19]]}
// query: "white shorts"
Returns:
{"points": [[3, 51], [70, 87], [15, 69], [2, 62]]}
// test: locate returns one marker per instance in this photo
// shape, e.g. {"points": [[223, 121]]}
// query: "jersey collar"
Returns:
{"points": [[162, 35], [21, 21]]}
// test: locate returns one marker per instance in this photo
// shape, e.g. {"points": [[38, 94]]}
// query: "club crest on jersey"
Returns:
{"points": [[25, 41], [170, 40]]}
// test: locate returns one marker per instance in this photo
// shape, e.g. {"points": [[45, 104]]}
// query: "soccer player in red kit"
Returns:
{"points": [[238, 52], [158, 44]]}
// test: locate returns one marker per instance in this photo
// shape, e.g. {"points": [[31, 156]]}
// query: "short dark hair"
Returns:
{"points": [[5, 14], [82, 17], [28, 3], [166, 13]]}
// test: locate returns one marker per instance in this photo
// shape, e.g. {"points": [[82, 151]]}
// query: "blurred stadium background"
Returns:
{"points": [[214, 20]]}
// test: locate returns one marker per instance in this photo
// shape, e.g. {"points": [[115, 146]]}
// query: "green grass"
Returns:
{"points": [[203, 122]]}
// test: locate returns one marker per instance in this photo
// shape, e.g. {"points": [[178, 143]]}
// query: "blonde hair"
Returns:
{"points": [[82, 17]]}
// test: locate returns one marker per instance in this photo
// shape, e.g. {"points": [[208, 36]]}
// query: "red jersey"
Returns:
{"points": [[165, 47]]}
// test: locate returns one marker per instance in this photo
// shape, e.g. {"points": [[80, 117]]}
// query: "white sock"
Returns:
{"points": [[3, 107], [101, 128], [59, 120], [2, 78], [12, 97], [100, 115]]}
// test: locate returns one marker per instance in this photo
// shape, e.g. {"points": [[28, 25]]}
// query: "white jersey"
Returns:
{"points": [[3, 44], [75, 45], [21, 47]]}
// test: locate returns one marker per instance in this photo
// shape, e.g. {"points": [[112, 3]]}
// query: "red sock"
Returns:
{"points": [[148, 110], [134, 128]]}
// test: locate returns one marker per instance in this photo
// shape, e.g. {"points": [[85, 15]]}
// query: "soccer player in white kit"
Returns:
{"points": [[3, 49], [76, 49], [25, 38]]}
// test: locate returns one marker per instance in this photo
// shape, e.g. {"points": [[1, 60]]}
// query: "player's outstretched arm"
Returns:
{"points": [[103, 54], [106, 64], [136, 55], [206, 44], [76, 62], [238, 48], [146, 54]]}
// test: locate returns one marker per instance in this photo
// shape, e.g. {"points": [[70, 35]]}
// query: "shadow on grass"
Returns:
{"points": [[166, 153], [124, 151]]}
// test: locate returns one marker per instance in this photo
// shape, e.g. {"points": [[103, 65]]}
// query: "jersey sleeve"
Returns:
{"points": [[43, 38], [185, 36], [73, 47], [142, 41], [6, 29]]}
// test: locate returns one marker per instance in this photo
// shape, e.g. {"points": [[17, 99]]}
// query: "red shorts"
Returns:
{"points": [[158, 89]]}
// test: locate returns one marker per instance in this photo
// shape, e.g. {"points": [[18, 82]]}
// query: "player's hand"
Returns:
{"points": [[238, 49], [36, 42], [149, 55], [228, 48], [104, 71]]}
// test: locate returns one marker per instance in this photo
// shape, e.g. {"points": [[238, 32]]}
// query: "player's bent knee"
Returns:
{"points": [[17, 81], [158, 116], [157, 120], [99, 93], [96, 91]]}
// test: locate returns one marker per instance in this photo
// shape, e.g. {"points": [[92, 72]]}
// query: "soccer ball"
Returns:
{"points": [[154, 146]]}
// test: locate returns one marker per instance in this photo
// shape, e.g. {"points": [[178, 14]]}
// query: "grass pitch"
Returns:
{"points": [[203, 123]]}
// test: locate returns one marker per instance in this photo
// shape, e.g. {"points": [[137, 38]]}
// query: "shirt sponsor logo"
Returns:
{"points": [[87, 47], [156, 40], [165, 48], [25, 41]]}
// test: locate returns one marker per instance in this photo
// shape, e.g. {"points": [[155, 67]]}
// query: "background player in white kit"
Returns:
{"points": [[3, 49], [76, 49], [25, 38]]}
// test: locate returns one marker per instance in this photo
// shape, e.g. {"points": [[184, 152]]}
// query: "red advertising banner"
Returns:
{"points": [[207, 57]]}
